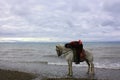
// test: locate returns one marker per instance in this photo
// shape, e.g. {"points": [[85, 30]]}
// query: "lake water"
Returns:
{"points": [[106, 54]]}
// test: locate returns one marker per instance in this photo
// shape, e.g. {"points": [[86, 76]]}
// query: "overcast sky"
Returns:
{"points": [[60, 20]]}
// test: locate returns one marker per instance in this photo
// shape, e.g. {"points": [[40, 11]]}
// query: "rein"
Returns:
{"points": [[66, 52]]}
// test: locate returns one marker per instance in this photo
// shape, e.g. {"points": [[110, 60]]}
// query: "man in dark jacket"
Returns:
{"points": [[77, 47]]}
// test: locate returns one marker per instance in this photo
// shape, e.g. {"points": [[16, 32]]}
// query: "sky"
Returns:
{"points": [[59, 20]]}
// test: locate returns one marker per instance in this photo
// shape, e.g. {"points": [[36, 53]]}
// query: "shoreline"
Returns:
{"points": [[54, 74], [18, 75], [44, 71], [9, 74]]}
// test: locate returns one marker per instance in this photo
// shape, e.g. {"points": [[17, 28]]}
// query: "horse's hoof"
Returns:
{"points": [[93, 73], [88, 72], [69, 75]]}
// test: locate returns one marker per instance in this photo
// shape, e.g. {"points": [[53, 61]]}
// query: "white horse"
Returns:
{"points": [[68, 53]]}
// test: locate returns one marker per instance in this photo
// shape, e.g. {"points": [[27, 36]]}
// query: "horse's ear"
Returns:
{"points": [[56, 46]]}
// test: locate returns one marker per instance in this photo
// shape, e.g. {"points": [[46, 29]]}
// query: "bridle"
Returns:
{"points": [[60, 52]]}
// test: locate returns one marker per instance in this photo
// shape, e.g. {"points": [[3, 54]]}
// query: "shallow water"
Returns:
{"points": [[106, 54]]}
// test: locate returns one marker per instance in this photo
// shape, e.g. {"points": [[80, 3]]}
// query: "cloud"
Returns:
{"points": [[95, 20]]}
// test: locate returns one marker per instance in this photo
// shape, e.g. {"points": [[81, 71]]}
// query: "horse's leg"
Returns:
{"points": [[71, 72], [88, 66], [69, 68], [92, 68]]}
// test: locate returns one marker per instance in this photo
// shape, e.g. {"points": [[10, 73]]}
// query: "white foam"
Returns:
{"points": [[97, 65], [108, 66], [65, 64]]}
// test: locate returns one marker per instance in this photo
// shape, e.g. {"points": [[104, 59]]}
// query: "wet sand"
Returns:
{"points": [[15, 75], [57, 72], [67, 79], [44, 71]]}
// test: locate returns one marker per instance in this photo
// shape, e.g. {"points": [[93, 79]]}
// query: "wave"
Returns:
{"points": [[96, 65]]}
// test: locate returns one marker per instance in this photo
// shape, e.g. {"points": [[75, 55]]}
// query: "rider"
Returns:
{"points": [[77, 47]]}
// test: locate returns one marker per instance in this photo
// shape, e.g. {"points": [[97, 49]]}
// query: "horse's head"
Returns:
{"points": [[58, 50]]}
